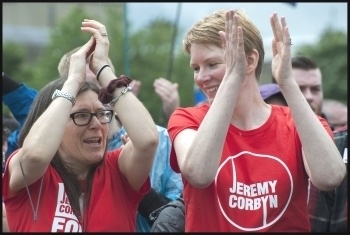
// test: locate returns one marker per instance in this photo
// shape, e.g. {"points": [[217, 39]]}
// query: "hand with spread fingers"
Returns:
{"points": [[281, 49], [233, 44]]}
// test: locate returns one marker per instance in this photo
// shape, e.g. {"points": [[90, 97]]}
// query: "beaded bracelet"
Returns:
{"points": [[126, 89], [99, 72]]}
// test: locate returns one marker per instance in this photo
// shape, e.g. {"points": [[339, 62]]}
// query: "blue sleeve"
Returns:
{"points": [[12, 142], [19, 102], [163, 178]]}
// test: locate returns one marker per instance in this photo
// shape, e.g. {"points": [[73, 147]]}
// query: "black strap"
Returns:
{"points": [[150, 202], [178, 203], [9, 84]]}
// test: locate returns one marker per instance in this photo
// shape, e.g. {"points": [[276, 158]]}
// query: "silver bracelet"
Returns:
{"points": [[126, 89], [59, 93]]}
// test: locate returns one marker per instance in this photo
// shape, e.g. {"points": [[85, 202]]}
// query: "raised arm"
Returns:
{"points": [[321, 157], [137, 156], [199, 152], [44, 131]]}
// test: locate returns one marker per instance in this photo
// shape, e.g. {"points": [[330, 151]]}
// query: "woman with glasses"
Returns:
{"points": [[62, 179]]}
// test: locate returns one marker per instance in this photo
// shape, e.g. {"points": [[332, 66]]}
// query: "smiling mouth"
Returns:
{"points": [[211, 90]]}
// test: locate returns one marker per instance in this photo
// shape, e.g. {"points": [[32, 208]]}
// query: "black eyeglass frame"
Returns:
{"points": [[111, 112]]}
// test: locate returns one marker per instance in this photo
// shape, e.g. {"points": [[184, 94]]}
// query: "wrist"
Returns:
{"points": [[106, 95], [101, 70], [63, 94]]}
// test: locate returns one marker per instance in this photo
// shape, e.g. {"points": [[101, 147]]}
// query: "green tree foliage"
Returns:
{"points": [[14, 61], [64, 37], [148, 48], [13, 57], [14, 64], [330, 53], [150, 51], [115, 28]]}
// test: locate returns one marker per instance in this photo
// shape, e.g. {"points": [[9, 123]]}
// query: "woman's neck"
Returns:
{"points": [[250, 111]]}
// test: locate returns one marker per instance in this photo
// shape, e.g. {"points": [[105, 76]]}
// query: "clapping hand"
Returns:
{"points": [[101, 48], [169, 94], [233, 44], [281, 47]]}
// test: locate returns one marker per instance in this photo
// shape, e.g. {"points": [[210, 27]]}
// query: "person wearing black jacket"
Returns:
{"points": [[170, 217]]}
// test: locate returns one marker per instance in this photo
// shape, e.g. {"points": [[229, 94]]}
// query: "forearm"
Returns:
{"points": [[137, 121], [133, 115], [47, 131], [43, 140], [201, 163], [41, 143], [322, 156]]}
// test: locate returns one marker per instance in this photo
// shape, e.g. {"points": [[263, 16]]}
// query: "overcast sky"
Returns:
{"points": [[306, 21]]}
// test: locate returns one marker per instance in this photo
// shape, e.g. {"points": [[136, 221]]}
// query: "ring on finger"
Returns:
{"points": [[290, 42]]}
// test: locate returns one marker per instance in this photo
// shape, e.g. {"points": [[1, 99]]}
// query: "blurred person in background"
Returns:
{"points": [[199, 95], [329, 209], [169, 94], [309, 78], [5, 134], [323, 215], [272, 94], [18, 97], [9, 122], [336, 113], [170, 217]]}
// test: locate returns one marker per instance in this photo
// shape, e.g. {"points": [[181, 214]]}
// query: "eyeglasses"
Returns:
{"points": [[84, 118]]}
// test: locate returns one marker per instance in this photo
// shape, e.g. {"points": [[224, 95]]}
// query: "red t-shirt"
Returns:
{"points": [[113, 203], [261, 184]]}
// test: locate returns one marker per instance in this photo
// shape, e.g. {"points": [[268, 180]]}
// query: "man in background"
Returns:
{"points": [[336, 113], [327, 210]]}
